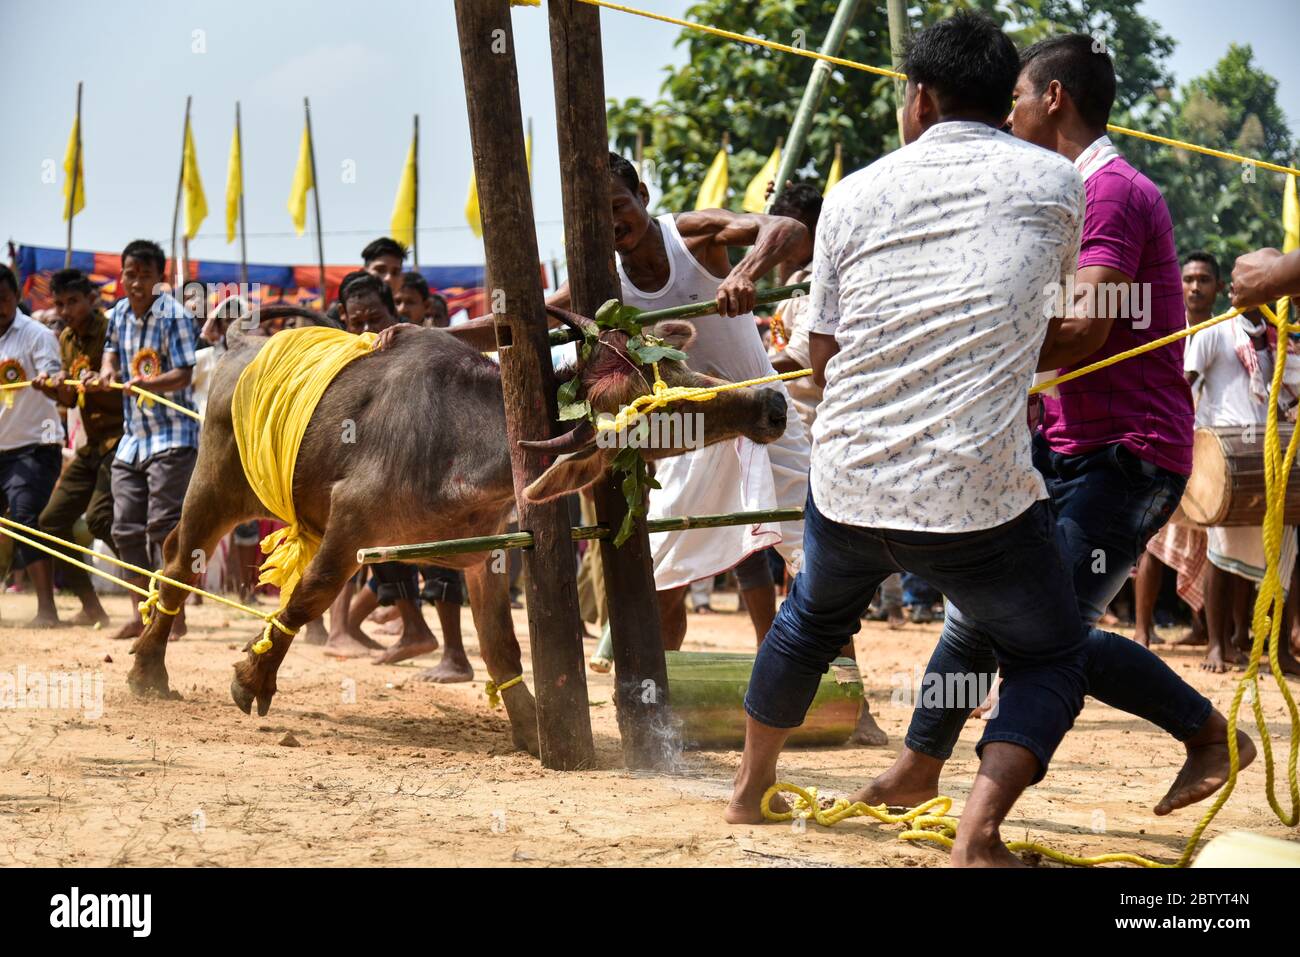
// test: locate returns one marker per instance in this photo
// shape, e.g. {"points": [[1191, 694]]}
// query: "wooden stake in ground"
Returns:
{"points": [[510, 241], [641, 688]]}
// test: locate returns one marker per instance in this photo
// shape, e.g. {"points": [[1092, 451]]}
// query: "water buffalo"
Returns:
{"points": [[429, 461]]}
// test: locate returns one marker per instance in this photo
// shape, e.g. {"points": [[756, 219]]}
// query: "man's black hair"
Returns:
{"points": [[413, 280], [383, 246], [625, 171], [361, 282], [7, 278], [969, 64], [146, 250], [800, 201], [71, 280], [1083, 68], [1201, 256]]}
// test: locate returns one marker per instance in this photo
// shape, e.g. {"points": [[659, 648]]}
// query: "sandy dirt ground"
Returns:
{"points": [[388, 770]]}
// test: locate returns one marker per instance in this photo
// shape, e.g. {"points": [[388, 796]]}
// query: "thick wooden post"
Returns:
{"points": [[510, 242], [641, 688]]}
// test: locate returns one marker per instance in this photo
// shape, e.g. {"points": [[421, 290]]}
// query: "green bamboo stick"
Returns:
{"points": [[693, 310], [487, 543]]}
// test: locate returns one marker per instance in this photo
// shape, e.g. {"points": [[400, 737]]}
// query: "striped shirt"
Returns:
{"points": [[168, 330]]}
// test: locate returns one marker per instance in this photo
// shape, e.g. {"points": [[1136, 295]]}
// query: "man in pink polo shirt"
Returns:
{"points": [[1115, 447]]}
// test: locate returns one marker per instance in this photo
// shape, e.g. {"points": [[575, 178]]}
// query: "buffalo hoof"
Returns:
{"points": [[254, 681], [522, 711], [151, 682], [243, 697]]}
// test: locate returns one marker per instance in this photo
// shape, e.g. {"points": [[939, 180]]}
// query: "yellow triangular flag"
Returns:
{"points": [[196, 204], [234, 187], [403, 224], [78, 202], [837, 170], [302, 182], [713, 191], [756, 191], [472, 214]]}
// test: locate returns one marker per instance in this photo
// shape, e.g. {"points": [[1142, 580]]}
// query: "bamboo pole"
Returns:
{"points": [[812, 96], [72, 194], [243, 236], [315, 195], [693, 310], [177, 276], [415, 201], [898, 34], [486, 543]]}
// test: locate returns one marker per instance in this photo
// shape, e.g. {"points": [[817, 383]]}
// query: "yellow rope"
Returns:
{"points": [[1136, 351], [154, 601], [881, 71], [6, 528], [929, 822], [142, 395], [662, 394], [493, 690]]}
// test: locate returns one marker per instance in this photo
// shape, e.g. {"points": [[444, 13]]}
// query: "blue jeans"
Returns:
{"points": [[27, 477], [1108, 504], [1009, 578], [918, 591]]}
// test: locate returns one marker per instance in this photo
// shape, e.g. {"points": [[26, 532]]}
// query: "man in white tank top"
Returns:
{"points": [[678, 259]]}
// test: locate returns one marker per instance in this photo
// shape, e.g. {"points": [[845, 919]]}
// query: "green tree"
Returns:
{"points": [[752, 93]]}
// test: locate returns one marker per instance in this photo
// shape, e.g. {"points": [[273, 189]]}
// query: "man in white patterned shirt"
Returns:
{"points": [[928, 317]]}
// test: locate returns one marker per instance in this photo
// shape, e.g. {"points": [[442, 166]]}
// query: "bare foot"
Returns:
{"points": [[49, 619], [424, 645], [890, 790], [1214, 660], [90, 619], [868, 734], [746, 804], [1206, 768], [346, 646], [132, 629], [314, 633], [986, 853], [1192, 637], [391, 627], [450, 670], [1287, 660], [897, 619], [383, 615]]}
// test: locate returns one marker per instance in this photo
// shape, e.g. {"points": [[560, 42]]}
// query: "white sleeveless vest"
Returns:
{"points": [[729, 476]]}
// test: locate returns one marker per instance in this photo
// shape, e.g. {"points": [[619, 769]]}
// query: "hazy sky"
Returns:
{"points": [[366, 76]]}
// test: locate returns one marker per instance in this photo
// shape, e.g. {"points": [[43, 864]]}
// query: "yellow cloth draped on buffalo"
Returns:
{"points": [[274, 400]]}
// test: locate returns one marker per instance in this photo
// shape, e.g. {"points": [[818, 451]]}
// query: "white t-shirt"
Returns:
{"points": [[1223, 382], [932, 270], [33, 419]]}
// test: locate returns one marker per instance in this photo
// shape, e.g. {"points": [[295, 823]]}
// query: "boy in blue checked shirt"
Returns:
{"points": [[150, 344]]}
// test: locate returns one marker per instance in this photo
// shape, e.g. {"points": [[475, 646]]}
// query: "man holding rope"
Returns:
{"points": [[86, 484], [151, 344], [1115, 446], [30, 433]]}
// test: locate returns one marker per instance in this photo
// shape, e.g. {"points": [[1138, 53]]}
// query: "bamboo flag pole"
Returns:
{"points": [[243, 236], [71, 206], [898, 33], [315, 193], [415, 201], [812, 94], [177, 273]]}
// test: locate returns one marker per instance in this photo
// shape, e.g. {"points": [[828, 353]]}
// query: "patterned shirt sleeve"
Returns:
{"points": [[825, 289], [114, 325], [180, 340]]}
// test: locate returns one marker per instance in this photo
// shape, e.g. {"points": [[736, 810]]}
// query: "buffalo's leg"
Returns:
{"points": [[489, 602], [332, 565], [204, 519]]}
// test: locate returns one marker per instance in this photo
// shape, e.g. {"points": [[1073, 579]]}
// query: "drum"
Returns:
{"points": [[1227, 482]]}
